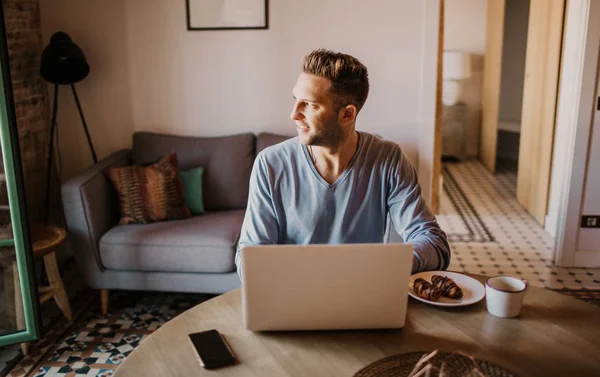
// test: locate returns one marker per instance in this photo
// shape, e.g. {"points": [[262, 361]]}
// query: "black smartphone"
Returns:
{"points": [[212, 349]]}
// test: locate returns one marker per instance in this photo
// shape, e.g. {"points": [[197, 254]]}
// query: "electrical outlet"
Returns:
{"points": [[590, 221]]}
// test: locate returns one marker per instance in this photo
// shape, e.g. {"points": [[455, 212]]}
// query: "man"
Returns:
{"points": [[333, 184]]}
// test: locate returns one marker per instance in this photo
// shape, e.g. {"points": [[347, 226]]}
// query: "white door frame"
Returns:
{"points": [[573, 122], [574, 113]]}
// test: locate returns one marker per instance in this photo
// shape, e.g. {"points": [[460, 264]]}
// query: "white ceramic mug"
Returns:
{"points": [[504, 295]]}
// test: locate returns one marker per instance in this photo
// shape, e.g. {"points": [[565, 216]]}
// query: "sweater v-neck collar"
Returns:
{"points": [[346, 171]]}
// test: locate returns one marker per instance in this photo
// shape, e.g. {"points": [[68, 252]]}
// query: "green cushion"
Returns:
{"points": [[192, 189]]}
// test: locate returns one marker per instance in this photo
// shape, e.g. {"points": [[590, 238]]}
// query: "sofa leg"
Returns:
{"points": [[104, 297]]}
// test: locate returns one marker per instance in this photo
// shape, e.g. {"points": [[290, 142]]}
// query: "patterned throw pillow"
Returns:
{"points": [[150, 193]]}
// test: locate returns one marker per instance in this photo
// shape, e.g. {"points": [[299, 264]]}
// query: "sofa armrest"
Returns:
{"points": [[91, 208]]}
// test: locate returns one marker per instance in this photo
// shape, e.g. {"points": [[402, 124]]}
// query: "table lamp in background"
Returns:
{"points": [[456, 67], [63, 63]]}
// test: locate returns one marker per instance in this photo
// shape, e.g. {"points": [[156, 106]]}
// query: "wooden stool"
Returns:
{"points": [[45, 241]]}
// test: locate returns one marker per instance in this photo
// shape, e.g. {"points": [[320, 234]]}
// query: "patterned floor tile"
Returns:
{"points": [[517, 245], [95, 345], [460, 220]]}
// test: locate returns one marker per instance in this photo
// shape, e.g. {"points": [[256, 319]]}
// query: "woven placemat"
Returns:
{"points": [[457, 365]]}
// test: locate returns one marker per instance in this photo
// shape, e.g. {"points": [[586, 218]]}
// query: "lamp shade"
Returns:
{"points": [[63, 62], [456, 65]]}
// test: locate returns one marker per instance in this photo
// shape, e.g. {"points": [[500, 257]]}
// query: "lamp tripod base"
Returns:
{"points": [[51, 148]]}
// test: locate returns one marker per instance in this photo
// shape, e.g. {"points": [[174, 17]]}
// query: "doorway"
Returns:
{"points": [[518, 91], [574, 44], [519, 101], [494, 179], [514, 49], [490, 232]]}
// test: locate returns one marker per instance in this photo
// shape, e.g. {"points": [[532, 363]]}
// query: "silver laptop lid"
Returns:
{"points": [[319, 287]]}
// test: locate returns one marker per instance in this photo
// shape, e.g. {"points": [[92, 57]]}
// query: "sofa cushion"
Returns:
{"points": [[203, 243], [192, 189], [227, 163], [266, 139], [150, 193]]}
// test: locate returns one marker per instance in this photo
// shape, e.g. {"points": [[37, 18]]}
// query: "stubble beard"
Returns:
{"points": [[329, 135]]}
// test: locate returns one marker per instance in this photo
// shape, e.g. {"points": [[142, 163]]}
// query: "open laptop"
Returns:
{"points": [[325, 287]]}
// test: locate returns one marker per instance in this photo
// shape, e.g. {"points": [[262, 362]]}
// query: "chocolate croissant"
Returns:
{"points": [[426, 290], [447, 286]]}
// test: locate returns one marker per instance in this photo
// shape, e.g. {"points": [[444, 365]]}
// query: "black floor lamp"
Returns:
{"points": [[63, 63]]}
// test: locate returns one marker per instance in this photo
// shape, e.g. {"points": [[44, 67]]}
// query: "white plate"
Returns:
{"points": [[473, 290]]}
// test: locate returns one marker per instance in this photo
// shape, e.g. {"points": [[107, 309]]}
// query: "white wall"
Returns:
{"points": [[464, 30], [149, 73], [589, 238]]}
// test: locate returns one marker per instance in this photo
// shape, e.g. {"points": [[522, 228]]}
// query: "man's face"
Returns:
{"points": [[314, 112]]}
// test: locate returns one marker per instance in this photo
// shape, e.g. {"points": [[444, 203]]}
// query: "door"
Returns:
{"points": [[540, 90], [492, 74], [19, 316], [439, 119]]}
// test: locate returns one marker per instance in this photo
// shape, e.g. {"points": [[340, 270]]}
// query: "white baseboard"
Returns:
{"points": [[550, 224], [587, 259]]}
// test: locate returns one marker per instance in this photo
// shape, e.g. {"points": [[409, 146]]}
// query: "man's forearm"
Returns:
{"points": [[431, 249]]}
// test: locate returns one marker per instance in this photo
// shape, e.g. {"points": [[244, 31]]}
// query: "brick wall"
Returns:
{"points": [[25, 45]]}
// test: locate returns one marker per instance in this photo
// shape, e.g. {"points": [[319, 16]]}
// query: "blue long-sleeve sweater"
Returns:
{"points": [[290, 203]]}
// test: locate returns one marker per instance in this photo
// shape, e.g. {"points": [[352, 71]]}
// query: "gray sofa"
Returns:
{"points": [[191, 255]]}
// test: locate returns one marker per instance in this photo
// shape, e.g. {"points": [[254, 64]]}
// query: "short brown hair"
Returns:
{"points": [[349, 77]]}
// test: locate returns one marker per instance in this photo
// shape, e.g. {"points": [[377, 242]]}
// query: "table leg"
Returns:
{"points": [[60, 295]]}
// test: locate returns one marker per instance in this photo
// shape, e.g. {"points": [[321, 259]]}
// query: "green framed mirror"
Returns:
{"points": [[19, 308]]}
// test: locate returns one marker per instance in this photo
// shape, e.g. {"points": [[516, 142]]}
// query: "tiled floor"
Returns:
{"points": [[51, 316], [519, 245], [96, 344]]}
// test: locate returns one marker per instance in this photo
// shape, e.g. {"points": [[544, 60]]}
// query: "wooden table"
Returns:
{"points": [[555, 335]]}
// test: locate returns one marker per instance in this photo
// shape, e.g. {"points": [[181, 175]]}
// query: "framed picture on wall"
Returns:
{"points": [[227, 14]]}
